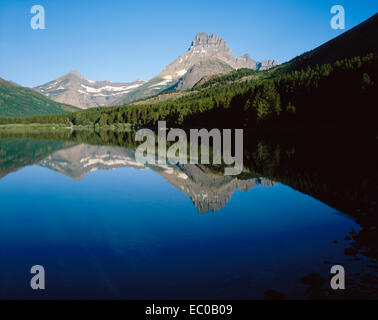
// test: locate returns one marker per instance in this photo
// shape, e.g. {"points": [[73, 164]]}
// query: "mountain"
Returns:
{"points": [[206, 47], [359, 41], [76, 90], [17, 101], [207, 55]]}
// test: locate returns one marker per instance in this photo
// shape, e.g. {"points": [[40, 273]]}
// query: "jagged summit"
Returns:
{"points": [[208, 55], [75, 73], [202, 39]]}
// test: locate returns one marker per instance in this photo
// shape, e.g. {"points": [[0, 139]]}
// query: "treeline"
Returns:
{"points": [[91, 137], [342, 94]]}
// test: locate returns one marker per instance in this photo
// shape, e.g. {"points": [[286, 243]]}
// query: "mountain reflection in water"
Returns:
{"points": [[270, 235], [209, 191]]}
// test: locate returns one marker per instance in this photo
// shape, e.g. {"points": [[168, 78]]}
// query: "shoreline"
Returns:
{"points": [[62, 127]]}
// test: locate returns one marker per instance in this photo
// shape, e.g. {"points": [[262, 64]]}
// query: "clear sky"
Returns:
{"points": [[123, 40]]}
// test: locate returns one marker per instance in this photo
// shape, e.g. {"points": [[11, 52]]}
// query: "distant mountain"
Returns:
{"points": [[17, 101], [359, 41], [76, 90], [207, 55]]}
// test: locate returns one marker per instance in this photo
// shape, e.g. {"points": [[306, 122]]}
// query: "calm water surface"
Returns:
{"points": [[106, 227]]}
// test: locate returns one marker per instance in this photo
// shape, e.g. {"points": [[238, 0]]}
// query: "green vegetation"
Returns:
{"points": [[164, 97], [341, 95], [241, 75], [71, 137], [358, 41], [226, 78], [16, 153], [333, 85], [17, 101]]}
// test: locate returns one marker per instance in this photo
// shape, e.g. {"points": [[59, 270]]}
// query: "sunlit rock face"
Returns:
{"points": [[208, 55]]}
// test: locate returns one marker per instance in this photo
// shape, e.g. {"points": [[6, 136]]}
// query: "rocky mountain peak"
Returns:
{"points": [[208, 55], [246, 61], [74, 89], [75, 73], [204, 40], [246, 56], [267, 64], [201, 37]]}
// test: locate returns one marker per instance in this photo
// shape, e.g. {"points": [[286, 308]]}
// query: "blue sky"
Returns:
{"points": [[122, 40]]}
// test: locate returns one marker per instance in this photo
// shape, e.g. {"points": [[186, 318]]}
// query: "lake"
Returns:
{"points": [[107, 227]]}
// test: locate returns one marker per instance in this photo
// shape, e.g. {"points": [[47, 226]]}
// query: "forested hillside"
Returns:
{"points": [[359, 41], [17, 101], [342, 95]]}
